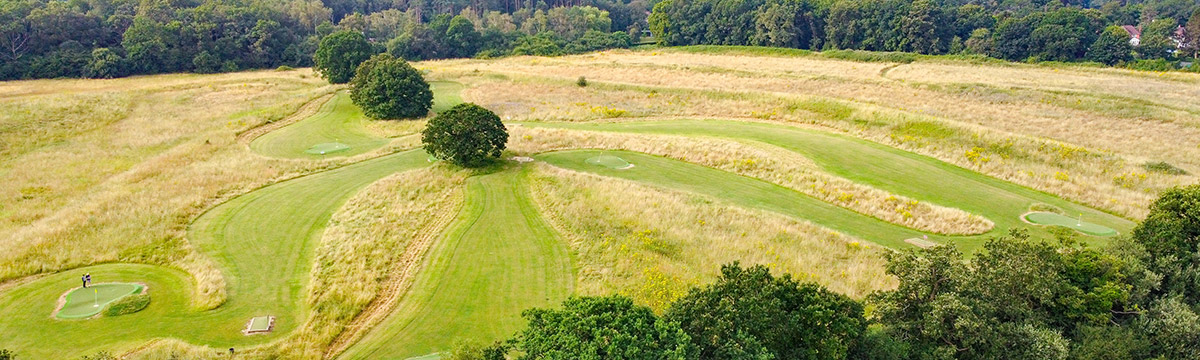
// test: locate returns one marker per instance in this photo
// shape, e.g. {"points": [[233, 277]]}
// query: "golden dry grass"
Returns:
{"points": [[1082, 136], [781, 167], [654, 244]]}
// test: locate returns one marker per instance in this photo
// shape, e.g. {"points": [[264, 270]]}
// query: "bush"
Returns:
{"points": [[1150, 65], [388, 88], [339, 54], [128, 305], [467, 135], [1163, 167], [582, 82], [871, 56], [284, 68]]}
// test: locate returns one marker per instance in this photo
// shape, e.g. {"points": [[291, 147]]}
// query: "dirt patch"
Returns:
{"points": [[921, 243]]}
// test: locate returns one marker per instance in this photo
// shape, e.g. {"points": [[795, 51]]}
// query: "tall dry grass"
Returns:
{"points": [[654, 244], [1041, 138], [124, 187], [768, 163]]}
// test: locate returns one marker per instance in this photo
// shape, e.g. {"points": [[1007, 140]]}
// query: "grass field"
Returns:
{"points": [[901, 172], [497, 259], [340, 122], [801, 162]]}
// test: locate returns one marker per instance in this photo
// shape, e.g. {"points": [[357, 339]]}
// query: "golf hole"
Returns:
{"points": [[327, 148], [609, 161], [1053, 219]]}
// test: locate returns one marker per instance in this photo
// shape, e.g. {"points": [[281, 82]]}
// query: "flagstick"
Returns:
{"points": [[96, 299]]}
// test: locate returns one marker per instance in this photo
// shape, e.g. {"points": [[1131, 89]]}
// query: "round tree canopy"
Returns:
{"points": [[467, 135]]}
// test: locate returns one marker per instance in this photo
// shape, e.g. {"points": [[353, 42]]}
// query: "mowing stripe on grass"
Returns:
{"points": [[497, 259], [898, 171]]}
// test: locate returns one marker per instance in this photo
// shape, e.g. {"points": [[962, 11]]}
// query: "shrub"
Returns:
{"points": [[467, 135], [582, 82], [339, 54], [128, 305], [1163, 167], [388, 88], [284, 68]]}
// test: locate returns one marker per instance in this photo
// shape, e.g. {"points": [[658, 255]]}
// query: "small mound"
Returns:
{"points": [[327, 148], [1052, 219], [609, 161], [86, 302]]}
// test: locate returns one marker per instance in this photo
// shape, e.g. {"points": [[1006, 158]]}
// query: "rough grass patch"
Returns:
{"points": [[128, 305], [1163, 167]]}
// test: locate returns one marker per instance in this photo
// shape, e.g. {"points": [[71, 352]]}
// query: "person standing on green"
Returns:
{"points": [[84, 278]]}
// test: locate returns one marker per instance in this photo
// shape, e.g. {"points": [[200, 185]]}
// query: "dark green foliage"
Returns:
{"points": [[105, 64], [461, 37], [339, 54], [1015, 299], [601, 328], [748, 313], [1112, 47], [128, 305], [389, 88], [206, 63], [582, 82], [467, 135], [6, 354], [543, 44], [1163, 167], [1171, 237]]}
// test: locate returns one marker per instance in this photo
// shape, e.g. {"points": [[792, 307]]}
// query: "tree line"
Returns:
{"points": [[1019, 298], [1038, 30], [114, 38]]}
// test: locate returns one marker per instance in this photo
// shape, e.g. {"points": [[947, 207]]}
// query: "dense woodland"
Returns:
{"points": [[112, 38], [1019, 30]]}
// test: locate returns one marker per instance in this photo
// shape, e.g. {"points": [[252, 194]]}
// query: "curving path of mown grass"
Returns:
{"points": [[263, 244], [497, 259], [340, 121], [901, 172]]}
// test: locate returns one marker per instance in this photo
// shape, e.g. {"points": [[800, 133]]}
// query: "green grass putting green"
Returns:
{"points": [[498, 258], [1052, 219], [898, 171], [609, 161], [327, 148], [87, 302], [339, 123]]}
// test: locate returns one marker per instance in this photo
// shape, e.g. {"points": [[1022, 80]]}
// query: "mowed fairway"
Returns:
{"points": [[497, 259], [263, 243], [339, 121], [901, 172]]}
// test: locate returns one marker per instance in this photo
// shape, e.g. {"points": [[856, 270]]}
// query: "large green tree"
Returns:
{"points": [[601, 328], [750, 314], [467, 135], [1111, 47], [1171, 237], [339, 54], [389, 88]]}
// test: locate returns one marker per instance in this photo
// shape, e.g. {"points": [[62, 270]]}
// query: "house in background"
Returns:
{"points": [[1135, 35]]}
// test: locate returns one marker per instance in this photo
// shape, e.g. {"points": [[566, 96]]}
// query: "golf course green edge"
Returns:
{"points": [[82, 303]]}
